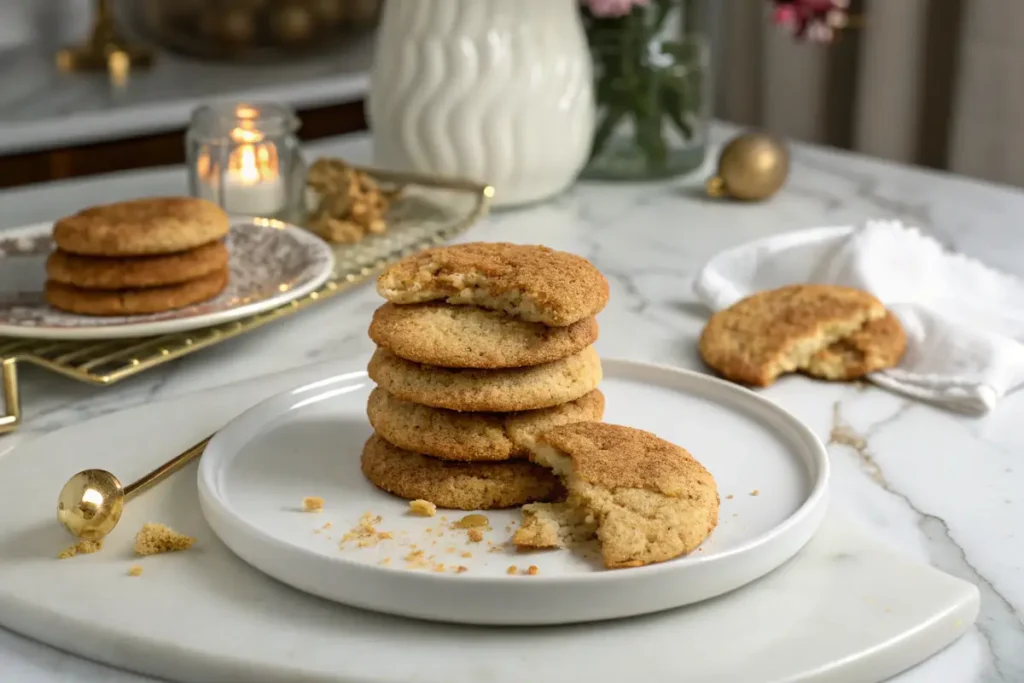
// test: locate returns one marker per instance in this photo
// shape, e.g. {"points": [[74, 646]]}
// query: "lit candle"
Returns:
{"points": [[252, 182]]}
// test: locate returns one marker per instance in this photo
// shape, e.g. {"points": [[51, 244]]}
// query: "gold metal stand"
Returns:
{"points": [[106, 50]]}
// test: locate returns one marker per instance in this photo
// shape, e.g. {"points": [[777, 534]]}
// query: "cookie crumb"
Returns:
{"points": [[421, 507], [533, 570], [729, 497], [81, 548], [461, 569], [312, 504], [135, 570], [416, 560], [327, 525], [154, 539], [467, 554], [439, 567], [475, 535], [755, 492], [365, 533], [512, 569], [385, 561]]}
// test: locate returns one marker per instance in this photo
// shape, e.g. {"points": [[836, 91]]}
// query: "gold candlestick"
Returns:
{"points": [[106, 49]]}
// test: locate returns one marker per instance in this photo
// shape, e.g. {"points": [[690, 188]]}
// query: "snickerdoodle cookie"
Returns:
{"points": [[135, 301], [533, 283], [477, 437], [878, 345], [502, 391], [472, 337], [142, 227], [777, 331], [457, 485], [646, 500], [97, 272]]}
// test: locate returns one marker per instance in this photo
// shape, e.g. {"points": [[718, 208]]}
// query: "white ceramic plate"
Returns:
{"points": [[272, 263], [771, 470]]}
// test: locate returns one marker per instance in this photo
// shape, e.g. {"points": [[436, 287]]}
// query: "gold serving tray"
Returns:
{"points": [[430, 211]]}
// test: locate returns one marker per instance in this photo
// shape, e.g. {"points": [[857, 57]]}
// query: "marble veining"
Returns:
{"points": [[945, 489]]}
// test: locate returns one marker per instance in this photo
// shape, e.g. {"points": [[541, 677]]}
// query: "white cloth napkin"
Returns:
{"points": [[964, 321]]}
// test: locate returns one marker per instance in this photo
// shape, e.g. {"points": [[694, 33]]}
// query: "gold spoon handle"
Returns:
{"points": [[149, 480]]}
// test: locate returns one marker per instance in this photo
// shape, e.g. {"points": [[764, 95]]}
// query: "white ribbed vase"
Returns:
{"points": [[499, 91]]}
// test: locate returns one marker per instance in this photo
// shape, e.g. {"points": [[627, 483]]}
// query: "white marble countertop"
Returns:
{"points": [[42, 108], [946, 489]]}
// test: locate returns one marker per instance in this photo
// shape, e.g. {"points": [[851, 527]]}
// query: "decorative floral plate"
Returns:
{"points": [[271, 264]]}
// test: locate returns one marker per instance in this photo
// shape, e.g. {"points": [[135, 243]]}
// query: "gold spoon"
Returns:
{"points": [[91, 503]]}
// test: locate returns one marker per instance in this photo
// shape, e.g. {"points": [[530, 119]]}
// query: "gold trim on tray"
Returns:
{"points": [[429, 212]]}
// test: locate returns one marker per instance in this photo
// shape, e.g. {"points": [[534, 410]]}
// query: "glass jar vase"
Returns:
{"points": [[652, 87]]}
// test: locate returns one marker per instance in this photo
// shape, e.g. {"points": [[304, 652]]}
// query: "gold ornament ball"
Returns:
{"points": [[752, 167]]}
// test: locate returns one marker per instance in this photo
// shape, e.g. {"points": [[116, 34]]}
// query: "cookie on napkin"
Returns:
{"points": [[777, 331], [876, 346]]}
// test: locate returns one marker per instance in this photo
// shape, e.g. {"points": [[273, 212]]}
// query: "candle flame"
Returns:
{"points": [[253, 161]]}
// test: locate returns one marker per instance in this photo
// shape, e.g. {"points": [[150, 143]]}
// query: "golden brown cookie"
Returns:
{"points": [[142, 227], [456, 485], [533, 283], [645, 499], [97, 272], [497, 391], [135, 301], [878, 345], [477, 437], [772, 332], [472, 337]]}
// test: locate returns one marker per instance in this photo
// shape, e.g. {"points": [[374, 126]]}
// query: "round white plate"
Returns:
{"points": [[771, 470], [272, 263]]}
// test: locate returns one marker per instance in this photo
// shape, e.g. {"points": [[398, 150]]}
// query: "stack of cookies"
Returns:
{"points": [[136, 257], [480, 348], [824, 331]]}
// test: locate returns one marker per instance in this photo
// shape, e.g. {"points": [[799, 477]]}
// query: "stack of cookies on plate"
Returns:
{"points": [[480, 348], [136, 257], [824, 331]]}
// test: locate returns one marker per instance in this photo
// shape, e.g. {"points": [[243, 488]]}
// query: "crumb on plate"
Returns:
{"points": [[475, 535], [135, 570], [312, 504], [421, 507]]}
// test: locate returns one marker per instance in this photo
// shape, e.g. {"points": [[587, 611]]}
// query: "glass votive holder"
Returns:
{"points": [[247, 158]]}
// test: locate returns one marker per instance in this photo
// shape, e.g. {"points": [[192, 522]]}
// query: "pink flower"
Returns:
{"points": [[612, 8], [815, 21]]}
